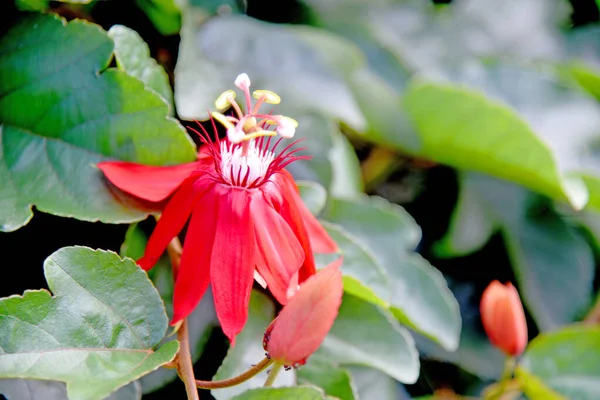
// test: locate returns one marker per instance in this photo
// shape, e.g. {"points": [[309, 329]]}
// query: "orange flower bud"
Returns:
{"points": [[503, 318], [305, 320]]}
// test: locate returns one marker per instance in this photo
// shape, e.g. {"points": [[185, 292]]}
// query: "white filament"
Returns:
{"points": [[234, 164]]}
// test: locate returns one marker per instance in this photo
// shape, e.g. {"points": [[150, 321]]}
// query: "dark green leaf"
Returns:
{"points": [[364, 334], [552, 261], [60, 115], [248, 350], [88, 324], [133, 57], [567, 361], [335, 381], [475, 353], [295, 393]]}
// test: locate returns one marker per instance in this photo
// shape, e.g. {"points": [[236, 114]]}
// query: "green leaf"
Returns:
{"points": [[203, 71], [88, 323], [470, 228], [450, 119], [364, 277], [551, 260], [164, 14], [25, 389], [364, 334], [32, 5], [335, 381], [420, 297], [373, 384], [133, 56], [567, 361], [313, 195], [347, 177], [60, 115], [248, 350], [295, 393], [534, 388]]}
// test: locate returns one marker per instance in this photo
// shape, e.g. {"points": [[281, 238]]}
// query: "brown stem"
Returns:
{"points": [[185, 367], [183, 361], [174, 251], [255, 370]]}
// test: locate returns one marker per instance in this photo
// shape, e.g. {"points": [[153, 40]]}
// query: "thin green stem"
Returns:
{"points": [[255, 370], [273, 374]]}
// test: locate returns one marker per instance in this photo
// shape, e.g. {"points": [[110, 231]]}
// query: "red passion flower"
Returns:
{"points": [[247, 218]]}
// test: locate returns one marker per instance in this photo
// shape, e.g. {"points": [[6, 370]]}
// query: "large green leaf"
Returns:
{"points": [[133, 57], [420, 297], [335, 381], [451, 119], [248, 351], [295, 393], [364, 277], [26, 389], [551, 260], [364, 334], [62, 111], [104, 312], [567, 361]]}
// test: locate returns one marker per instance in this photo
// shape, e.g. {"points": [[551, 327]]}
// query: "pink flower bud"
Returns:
{"points": [[503, 318], [305, 320]]}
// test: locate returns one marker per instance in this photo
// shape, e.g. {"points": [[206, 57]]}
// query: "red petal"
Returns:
{"points": [[304, 322], [320, 240], [172, 220], [280, 255], [194, 269], [232, 261], [148, 182]]}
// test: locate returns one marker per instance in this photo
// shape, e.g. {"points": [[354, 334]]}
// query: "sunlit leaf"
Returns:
{"points": [[567, 361], [133, 56], [61, 113], [88, 323], [364, 334]]}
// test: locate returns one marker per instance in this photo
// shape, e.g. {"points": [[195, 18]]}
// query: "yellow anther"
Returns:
{"points": [[258, 134], [224, 100], [270, 97], [222, 119]]}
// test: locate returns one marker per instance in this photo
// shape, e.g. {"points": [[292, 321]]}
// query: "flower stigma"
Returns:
{"points": [[247, 157]]}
